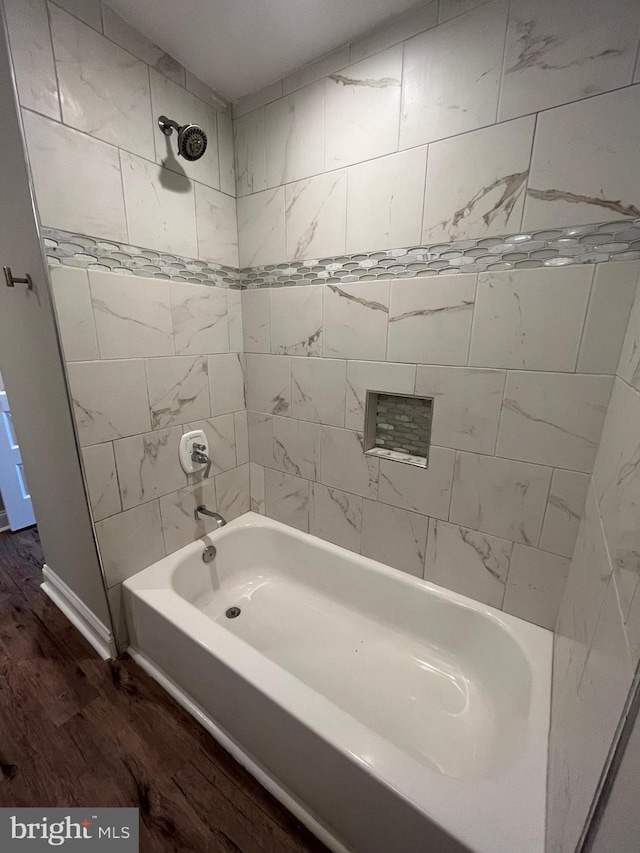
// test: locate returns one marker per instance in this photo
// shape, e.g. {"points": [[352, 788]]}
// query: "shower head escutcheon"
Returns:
{"points": [[192, 140]]}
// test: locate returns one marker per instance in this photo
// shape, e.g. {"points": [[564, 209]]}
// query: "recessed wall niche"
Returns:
{"points": [[398, 426]]}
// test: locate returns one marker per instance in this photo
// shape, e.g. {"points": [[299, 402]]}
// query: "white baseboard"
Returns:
{"points": [[272, 785], [4, 521], [77, 612]]}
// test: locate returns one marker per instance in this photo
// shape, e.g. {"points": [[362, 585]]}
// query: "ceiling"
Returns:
{"points": [[240, 46]]}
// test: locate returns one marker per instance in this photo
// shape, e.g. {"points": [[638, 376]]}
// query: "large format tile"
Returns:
{"points": [[374, 376], [241, 430], [261, 237], [269, 384], [109, 399], [104, 90], [561, 52], [74, 313], [132, 316], [499, 496], [315, 216], [226, 383], [362, 109], [452, 8], [178, 390], [200, 318], [179, 525], [452, 76], [256, 320], [76, 178], [385, 199], [234, 309], [629, 365], [32, 56], [217, 224], [564, 511], [148, 466], [256, 484], [530, 319], [424, 490], [318, 390], [260, 428], [130, 541], [430, 320], [553, 418], [251, 167], [296, 447], [287, 499], [88, 11], [466, 405], [355, 320], [335, 516], [344, 464], [233, 492], [161, 212], [316, 70], [226, 155], [476, 182], [296, 320], [395, 30], [294, 131], [394, 536], [468, 562], [586, 163], [535, 585], [102, 480]]}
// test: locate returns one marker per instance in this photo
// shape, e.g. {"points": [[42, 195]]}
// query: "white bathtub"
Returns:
{"points": [[388, 713]]}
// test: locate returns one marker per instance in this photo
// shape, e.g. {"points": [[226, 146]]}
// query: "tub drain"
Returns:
{"points": [[232, 612]]}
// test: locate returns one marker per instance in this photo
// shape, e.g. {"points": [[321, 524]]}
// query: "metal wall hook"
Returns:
{"points": [[11, 281]]}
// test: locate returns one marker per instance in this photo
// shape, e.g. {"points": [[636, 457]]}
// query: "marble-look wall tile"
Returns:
{"points": [[160, 204], [251, 102], [109, 399], [629, 365], [122, 33], [287, 499], [535, 585], [315, 216], [260, 426], [372, 376], [452, 76], [256, 478], [385, 199], [500, 496], [318, 390], [77, 179], [586, 163], [242, 437], [104, 90], [88, 11], [226, 383], [395, 30], [269, 384], [74, 313], [553, 418], [221, 437], [466, 405], [256, 319], [530, 319], [132, 316], [612, 295], [344, 464], [217, 224], [394, 536], [452, 8], [226, 155], [476, 182], [130, 541], [362, 108], [296, 447], [424, 490], [250, 153], [102, 480], [294, 131], [430, 321], [169, 99], [200, 318], [114, 594], [335, 516], [234, 311], [233, 492], [468, 562], [148, 466], [261, 228], [296, 320], [316, 70], [179, 526], [178, 390], [560, 53], [564, 511], [32, 55], [355, 320]]}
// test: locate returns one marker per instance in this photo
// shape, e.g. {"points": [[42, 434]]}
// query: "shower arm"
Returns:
{"points": [[166, 125]]}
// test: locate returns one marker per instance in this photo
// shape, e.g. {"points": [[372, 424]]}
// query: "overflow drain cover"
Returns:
{"points": [[232, 612]]}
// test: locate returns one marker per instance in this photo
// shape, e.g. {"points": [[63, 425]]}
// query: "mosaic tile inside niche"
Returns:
{"points": [[78, 250], [582, 244]]}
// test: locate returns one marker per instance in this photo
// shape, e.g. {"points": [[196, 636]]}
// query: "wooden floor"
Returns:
{"points": [[76, 731]]}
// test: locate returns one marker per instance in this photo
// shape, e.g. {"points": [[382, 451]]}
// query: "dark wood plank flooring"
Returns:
{"points": [[76, 731]]}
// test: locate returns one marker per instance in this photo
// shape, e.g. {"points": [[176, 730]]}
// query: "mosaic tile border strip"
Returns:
{"points": [[77, 250], [581, 244]]}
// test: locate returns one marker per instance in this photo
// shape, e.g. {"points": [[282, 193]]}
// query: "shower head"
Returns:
{"points": [[192, 140]]}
